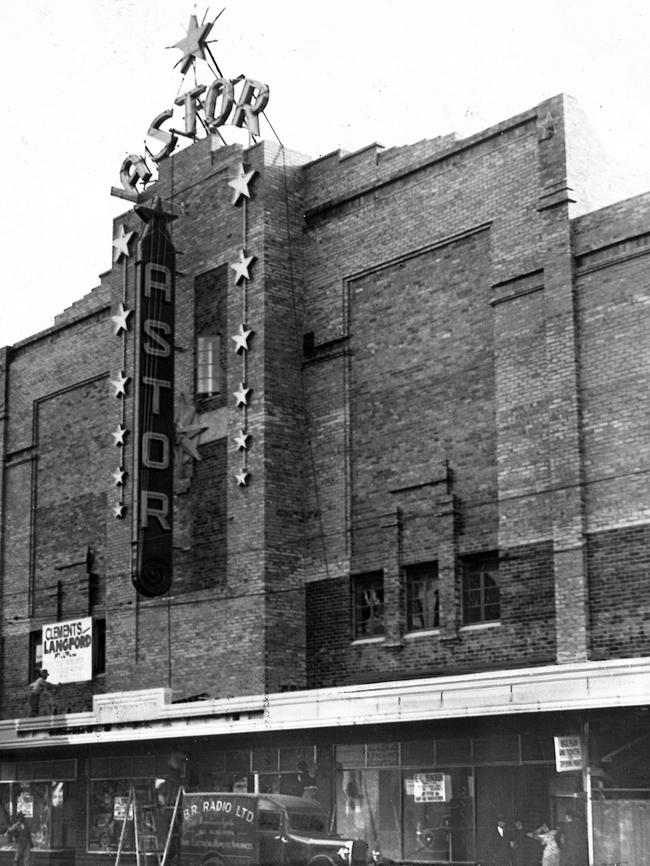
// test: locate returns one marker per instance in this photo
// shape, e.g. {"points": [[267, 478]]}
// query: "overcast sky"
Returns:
{"points": [[83, 79]]}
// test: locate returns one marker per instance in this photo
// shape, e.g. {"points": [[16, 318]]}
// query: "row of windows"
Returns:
{"points": [[480, 597]]}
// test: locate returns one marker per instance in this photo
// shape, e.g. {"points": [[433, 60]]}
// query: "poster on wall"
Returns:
{"points": [[120, 806], [568, 754], [431, 787], [68, 650], [25, 804]]}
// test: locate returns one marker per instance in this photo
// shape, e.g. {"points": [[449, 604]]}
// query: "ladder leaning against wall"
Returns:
{"points": [[145, 830]]}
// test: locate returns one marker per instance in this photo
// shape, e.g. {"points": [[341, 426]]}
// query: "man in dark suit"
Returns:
{"points": [[500, 844]]}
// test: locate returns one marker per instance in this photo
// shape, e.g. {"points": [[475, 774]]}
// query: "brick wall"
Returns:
{"points": [[436, 355], [524, 636], [618, 589]]}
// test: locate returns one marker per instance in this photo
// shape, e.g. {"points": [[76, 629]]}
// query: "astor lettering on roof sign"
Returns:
{"points": [[240, 101]]}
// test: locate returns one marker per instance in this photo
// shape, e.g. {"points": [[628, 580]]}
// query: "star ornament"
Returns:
{"points": [[121, 243], [188, 428], [240, 183], [118, 435], [118, 510], [120, 319], [241, 394], [241, 339], [193, 45], [241, 266], [241, 440], [119, 384], [118, 476], [242, 477]]}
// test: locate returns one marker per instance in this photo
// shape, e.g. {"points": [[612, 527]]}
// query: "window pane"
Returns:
{"points": [[481, 597], [208, 357], [368, 605], [421, 596]]}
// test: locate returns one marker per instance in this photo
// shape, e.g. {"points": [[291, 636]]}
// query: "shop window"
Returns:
{"points": [[422, 596], [481, 600], [368, 595], [208, 365], [35, 654], [107, 808], [99, 647]]}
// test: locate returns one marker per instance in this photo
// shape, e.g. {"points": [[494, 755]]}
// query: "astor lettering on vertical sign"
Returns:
{"points": [[154, 395]]}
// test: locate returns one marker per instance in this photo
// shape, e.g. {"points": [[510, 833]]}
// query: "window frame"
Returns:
{"points": [[422, 574], [485, 568], [35, 654], [371, 581], [208, 373]]}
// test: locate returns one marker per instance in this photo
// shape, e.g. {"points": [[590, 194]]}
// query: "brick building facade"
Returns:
{"points": [[417, 545]]}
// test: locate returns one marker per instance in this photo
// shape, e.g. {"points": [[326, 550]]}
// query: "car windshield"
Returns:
{"points": [[312, 822]]}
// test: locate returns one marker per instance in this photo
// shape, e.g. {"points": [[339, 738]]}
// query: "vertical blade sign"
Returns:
{"points": [[154, 357]]}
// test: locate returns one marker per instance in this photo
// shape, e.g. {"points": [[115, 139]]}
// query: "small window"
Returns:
{"points": [[99, 646], [422, 597], [35, 654], [270, 820], [208, 365], [481, 601], [368, 605]]}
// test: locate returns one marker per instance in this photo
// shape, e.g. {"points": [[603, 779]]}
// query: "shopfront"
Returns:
{"points": [[408, 767]]}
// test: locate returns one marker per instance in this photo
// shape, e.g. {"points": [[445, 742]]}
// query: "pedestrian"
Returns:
{"points": [[19, 834], [36, 689], [501, 844], [522, 855], [572, 837], [548, 840]]}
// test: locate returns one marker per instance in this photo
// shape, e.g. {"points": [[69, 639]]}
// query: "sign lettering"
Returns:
{"points": [[154, 394]]}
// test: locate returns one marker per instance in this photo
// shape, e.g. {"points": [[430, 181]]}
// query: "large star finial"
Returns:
{"points": [[193, 44], [155, 211]]}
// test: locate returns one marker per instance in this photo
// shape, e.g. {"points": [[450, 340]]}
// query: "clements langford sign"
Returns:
{"points": [[68, 650]]}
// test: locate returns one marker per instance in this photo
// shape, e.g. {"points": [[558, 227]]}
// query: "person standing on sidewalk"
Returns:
{"points": [[20, 835]]}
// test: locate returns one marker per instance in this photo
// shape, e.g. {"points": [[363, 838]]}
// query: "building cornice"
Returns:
{"points": [[127, 716]]}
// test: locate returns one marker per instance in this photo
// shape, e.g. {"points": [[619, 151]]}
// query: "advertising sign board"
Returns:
{"points": [[68, 650]]}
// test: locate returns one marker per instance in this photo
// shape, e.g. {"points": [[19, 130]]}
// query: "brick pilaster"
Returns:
{"points": [[563, 442], [449, 572]]}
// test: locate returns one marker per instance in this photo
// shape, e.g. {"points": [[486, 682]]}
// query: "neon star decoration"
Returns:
{"points": [[120, 384], [242, 477], [240, 183], [120, 319], [121, 243], [241, 339], [241, 395], [118, 435], [241, 266], [194, 44], [241, 440], [118, 476], [188, 428], [118, 510]]}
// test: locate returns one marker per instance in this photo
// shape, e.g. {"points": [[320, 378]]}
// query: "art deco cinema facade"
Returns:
{"points": [[345, 462]]}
